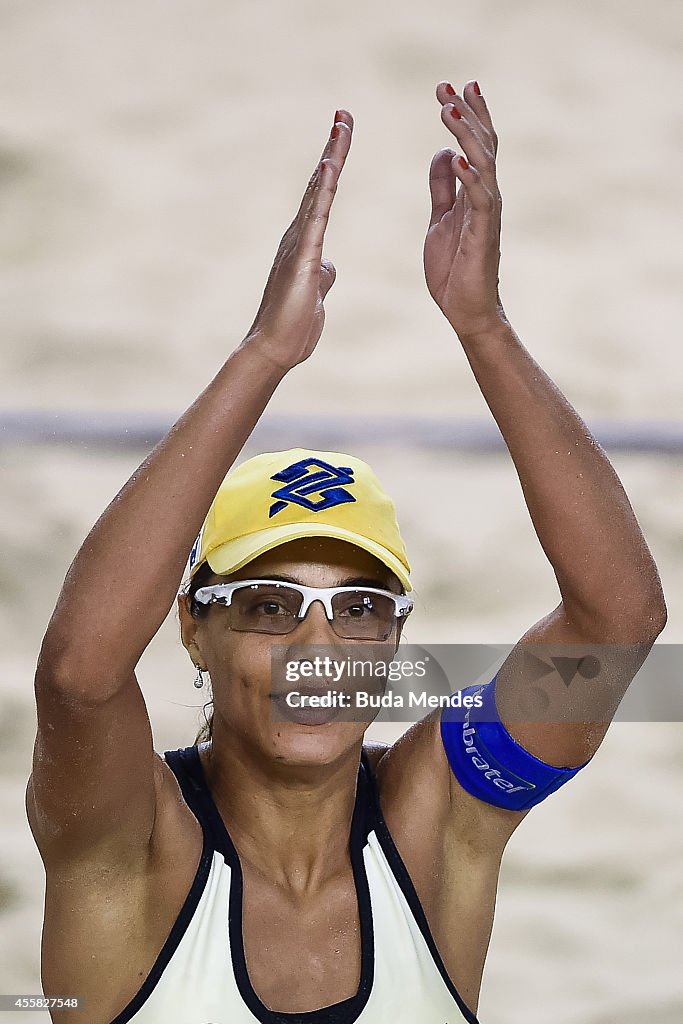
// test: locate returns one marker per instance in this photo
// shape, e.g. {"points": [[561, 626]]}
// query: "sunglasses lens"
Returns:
{"points": [[265, 608], [359, 615]]}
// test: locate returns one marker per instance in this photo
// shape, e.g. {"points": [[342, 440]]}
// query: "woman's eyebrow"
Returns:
{"points": [[364, 581], [355, 581]]}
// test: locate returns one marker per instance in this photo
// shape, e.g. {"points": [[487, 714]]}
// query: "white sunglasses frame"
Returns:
{"points": [[403, 605]]}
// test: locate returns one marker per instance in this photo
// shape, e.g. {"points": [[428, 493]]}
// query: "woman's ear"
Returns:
{"points": [[188, 630]]}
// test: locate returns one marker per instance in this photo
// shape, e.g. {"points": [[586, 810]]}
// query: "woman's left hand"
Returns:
{"points": [[462, 247]]}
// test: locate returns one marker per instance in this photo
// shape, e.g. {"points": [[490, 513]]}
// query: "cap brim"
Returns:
{"points": [[232, 556]]}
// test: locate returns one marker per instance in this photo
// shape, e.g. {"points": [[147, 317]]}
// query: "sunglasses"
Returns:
{"points": [[267, 606]]}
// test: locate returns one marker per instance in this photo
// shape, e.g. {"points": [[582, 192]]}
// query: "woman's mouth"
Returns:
{"points": [[307, 706]]}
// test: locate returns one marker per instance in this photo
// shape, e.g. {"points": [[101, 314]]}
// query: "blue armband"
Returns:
{"points": [[488, 762]]}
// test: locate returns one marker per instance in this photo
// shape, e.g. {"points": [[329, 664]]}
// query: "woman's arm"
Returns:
{"points": [[125, 577], [96, 782], [609, 584], [451, 835]]}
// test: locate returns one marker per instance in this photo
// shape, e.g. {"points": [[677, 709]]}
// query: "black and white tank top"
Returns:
{"points": [[200, 975]]}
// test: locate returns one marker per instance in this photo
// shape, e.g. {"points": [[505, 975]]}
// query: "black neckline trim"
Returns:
{"points": [[348, 1010], [404, 880]]}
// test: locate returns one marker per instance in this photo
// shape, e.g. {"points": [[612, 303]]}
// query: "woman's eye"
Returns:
{"points": [[358, 610], [271, 607]]}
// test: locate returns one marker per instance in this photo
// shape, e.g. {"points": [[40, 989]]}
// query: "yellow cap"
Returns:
{"points": [[279, 496]]}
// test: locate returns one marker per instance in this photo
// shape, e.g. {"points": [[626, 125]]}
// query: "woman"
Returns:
{"points": [[281, 871]]}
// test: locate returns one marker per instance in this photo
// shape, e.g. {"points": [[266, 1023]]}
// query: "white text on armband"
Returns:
{"points": [[468, 732]]}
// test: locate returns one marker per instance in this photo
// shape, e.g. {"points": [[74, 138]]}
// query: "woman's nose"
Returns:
{"points": [[313, 637], [315, 625]]}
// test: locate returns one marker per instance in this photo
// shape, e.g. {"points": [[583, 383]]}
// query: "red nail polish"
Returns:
{"points": [[455, 113], [449, 89], [463, 163], [337, 115], [476, 88]]}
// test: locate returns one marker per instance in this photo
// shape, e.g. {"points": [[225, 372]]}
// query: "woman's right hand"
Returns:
{"points": [[291, 316]]}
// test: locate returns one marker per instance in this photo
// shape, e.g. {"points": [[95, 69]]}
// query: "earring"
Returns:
{"points": [[199, 678]]}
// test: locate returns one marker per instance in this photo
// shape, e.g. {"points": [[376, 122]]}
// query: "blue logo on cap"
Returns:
{"points": [[194, 554], [312, 476]]}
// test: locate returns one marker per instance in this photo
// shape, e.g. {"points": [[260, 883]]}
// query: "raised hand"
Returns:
{"points": [[462, 247], [291, 316]]}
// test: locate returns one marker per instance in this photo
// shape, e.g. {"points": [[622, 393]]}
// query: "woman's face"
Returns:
{"points": [[239, 663]]}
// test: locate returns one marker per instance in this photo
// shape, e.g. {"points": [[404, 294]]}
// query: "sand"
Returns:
{"points": [[151, 154]]}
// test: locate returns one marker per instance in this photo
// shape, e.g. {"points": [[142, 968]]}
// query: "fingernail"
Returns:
{"points": [[463, 163], [455, 113], [337, 115], [449, 89], [476, 88]]}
